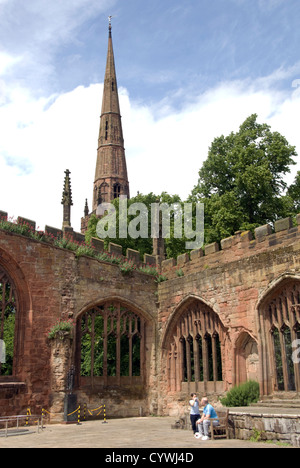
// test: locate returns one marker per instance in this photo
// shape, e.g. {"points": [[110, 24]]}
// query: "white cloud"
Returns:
{"points": [[40, 142], [164, 148], [166, 154], [6, 61], [39, 31]]}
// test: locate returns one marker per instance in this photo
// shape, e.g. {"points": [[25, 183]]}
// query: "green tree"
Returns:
{"points": [[8, 335], [174, 246], [242, 181], [292, 199]]}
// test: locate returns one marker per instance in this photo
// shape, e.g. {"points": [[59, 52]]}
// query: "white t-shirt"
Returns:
{"points": [[194, 407]]}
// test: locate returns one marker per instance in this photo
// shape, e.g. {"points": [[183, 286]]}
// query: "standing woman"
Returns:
{"points": [[194, 412]]}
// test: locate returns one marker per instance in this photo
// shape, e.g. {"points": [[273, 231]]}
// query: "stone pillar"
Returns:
{"points": [[60, 364]]}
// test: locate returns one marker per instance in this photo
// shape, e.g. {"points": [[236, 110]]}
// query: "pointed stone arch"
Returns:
{"points": [[246, 358], [279, 328], [15, 307], [113, 335], [193, 347]]}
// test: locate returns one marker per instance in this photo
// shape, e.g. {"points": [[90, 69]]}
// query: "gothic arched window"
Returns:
{"points": [[117, 190], [281, 319], [195, 350], [110, 345], [8, 311], [103, 193]]}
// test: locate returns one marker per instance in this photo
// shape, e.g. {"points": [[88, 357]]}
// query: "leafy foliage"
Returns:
{"points": [[174, 246], [242, 395], [8, 332], [242, 181], [98, 358], [60, 329]]}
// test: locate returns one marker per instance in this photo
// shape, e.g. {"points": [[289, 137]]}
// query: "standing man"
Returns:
{"points": [[204, 423], [194, 412]]}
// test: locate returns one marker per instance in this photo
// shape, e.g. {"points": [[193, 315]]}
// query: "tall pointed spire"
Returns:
{"points": [[111, 179]]}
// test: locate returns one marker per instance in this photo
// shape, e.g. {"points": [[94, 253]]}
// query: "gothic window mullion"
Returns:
{"points": [[284, 360], [205, 362], [215, 359], [196, 359], [105, 336], [188, 359], [3, 309], [118, 350], [142, 350], [179, 370], [93, 348], [130, 349], [172, 368]]}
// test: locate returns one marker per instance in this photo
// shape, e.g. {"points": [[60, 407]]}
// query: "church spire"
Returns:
{"points": [[111, 178]]}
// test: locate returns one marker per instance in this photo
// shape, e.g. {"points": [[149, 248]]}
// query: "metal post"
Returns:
{"points": [[78, 414], [104, 411]]}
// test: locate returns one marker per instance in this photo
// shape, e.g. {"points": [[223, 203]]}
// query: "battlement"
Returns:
{"points": [[52, 235], [239, 246]]}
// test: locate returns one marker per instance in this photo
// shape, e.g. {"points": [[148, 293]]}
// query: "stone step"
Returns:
{"points": [[278, 403], [281, 396]]}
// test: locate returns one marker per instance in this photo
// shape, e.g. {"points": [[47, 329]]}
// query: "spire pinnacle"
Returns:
{"points": [[67, 201], [67, 192], [86, 208], [109, 25]]}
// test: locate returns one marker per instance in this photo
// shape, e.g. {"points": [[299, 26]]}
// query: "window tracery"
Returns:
{"points": [[282, 317], [111, 344], [195, 352], [8, 311]]}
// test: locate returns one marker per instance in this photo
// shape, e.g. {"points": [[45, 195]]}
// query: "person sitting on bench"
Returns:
{"points": [[204, 423]]}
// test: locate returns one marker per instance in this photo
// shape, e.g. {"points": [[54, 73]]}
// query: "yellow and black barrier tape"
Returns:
{"points": [[78, 411]]}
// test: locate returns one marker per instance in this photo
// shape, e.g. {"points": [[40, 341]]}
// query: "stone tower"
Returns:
{"points": [[111, 179]]}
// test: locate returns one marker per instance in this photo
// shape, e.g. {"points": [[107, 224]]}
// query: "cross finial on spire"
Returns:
{"points": [[109, 24]]}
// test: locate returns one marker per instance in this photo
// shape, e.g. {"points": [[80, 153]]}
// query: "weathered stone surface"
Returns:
{"points": [[212, 248], [262, 231], [283, 224], [246, 424], [183, 259], [98, 244], [115, 249], [52, 284]]}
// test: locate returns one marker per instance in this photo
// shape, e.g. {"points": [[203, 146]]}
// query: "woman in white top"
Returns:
{"points": [[194, 412]]}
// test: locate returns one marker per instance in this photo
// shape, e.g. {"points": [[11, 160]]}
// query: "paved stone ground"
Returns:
{"points": [[150, 432]]}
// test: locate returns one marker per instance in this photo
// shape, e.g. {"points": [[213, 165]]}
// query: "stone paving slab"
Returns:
{"points": [[135, 433]]}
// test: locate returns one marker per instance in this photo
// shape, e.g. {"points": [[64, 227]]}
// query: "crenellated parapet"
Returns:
{"points": [[56, 236], [239, 246]]}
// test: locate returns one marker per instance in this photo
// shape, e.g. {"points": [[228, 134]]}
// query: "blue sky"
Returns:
{"points": [[188, 71]]}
